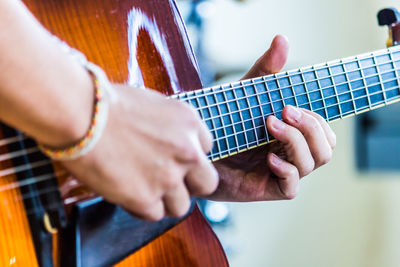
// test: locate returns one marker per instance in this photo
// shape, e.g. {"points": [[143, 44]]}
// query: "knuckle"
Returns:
{"points": [[189, 115], [182, 210], [212, 183], [186, 150], [208, 138], [325, 158], [172, 180], [295, 136], [153, 214], [312, 123], [144, 201], [307, 168], [292, 172]]}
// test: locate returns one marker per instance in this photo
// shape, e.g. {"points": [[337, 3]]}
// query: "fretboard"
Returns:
{"points": [[235, 113]]}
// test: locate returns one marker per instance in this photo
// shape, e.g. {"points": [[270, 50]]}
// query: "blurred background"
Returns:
{"points": [[348, 212]]}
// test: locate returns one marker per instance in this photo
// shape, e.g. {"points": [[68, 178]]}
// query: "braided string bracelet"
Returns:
{"points": [[104, 93]]}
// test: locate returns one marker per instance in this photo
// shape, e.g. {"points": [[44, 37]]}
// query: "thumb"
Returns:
{"points": [[273, 59]]}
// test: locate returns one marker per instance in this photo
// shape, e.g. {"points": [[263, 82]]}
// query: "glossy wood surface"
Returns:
{"points": [[143, 43], [16, 245]]}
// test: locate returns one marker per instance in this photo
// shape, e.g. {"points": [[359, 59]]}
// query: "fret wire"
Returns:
{"points": [[251, 110], [344, 102], [348, 113], [333, 64], [232, 120], [379, 76], [291, 85], [364, 79], [280, 92], [378, 103], [331, 96], [331, 76], [240, 132], [222, 121], [334, 117], [354, 59], [306, 89], [335, 89], [349, 86], [201, 110], [321, 92], [241, 119], [271, 102], [279, 100], [213, 126], [394, 67], [262, 112]]}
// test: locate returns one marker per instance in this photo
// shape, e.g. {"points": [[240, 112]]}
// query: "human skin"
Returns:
{"points": [[133, 165]]}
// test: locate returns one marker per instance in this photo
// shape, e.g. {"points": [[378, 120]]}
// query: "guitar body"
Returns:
{"points": [[47, 218], [140, 42]]}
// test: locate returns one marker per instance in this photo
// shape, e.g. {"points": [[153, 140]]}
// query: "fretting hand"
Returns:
{"points": [[304, 143]]}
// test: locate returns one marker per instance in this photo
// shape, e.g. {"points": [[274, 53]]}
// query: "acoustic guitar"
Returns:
{"points": [[47, 218]]}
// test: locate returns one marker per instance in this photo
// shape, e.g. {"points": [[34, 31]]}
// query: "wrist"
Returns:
{"points": [[103, 93], [73, 115]]}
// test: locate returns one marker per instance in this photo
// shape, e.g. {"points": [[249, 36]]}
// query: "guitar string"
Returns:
{"points": [[304, 84], [238, 147], [48, 190], [21, 137], [13, 139], [317, 90], [301, 71], [33, 180], [54, 189], [306, 103], [17, 153], [288, 74]]}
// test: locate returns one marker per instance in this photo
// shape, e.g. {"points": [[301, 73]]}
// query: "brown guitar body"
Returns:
{"points": [[141, 42]]}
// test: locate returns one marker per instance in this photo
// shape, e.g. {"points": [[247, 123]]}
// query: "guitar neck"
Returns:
{"points": [[235, 113]]}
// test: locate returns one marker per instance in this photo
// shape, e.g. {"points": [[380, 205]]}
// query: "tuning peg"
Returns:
{"points": [[391, 18], [388, 16]]}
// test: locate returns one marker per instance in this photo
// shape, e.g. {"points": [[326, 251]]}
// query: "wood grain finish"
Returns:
{"points": [[175, 248], [143, 43], [16, 245]]}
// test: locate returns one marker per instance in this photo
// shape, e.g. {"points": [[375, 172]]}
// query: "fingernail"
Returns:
{"points": [[277, 124], [294, 113], [276, 160]]}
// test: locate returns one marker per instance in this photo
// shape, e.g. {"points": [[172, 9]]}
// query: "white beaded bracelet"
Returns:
{"points": [[104, 92]]}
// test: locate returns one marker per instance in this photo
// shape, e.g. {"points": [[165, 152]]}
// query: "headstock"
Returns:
{"points": [[391, 18]]}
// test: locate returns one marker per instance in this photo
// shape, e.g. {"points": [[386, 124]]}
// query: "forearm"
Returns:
{"points": [[43, 91]]}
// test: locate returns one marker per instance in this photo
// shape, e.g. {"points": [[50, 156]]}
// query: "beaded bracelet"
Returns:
{"points": [[104, 92]]}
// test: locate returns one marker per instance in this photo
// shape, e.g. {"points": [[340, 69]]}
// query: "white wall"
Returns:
{"points": [[341, 217]]}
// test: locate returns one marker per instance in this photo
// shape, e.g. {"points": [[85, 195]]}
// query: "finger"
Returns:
{"points": [[313, 132], [273, 59], [287, 174], [330, 135], [296, 147], [154, 212], [177, 201], [202, 178], [205, 137]]}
